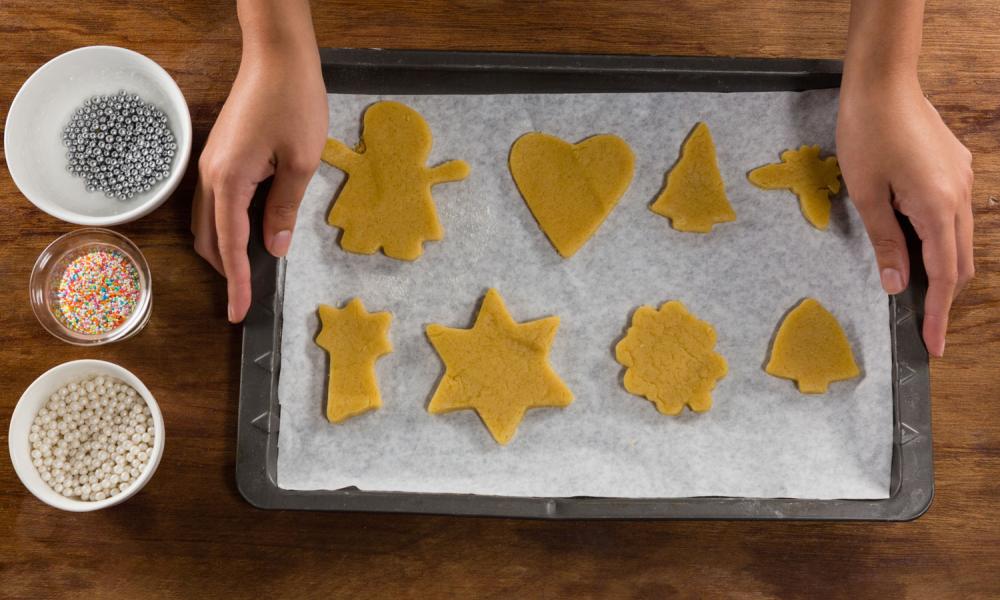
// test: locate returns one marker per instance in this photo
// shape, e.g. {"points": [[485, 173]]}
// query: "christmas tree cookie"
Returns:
{"points": [[694, 198]]}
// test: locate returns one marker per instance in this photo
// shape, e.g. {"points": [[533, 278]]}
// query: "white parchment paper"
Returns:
{"points": [[761, 439]]}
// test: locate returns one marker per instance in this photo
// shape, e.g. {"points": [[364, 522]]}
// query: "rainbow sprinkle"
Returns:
{"points": [[97, 292]]}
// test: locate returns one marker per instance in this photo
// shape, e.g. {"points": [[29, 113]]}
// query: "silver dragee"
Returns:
{"points": [[119, 145]]}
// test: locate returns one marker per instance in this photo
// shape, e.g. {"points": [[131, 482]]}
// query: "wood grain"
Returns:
{"points": [[189, 534]]}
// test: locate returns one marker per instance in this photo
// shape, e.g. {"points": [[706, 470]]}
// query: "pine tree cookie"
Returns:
{"points": [[670, 359], [386, 202], [809, 177], [811, 348], [571, 188], [694, 198], [354, 339], [499, 368]]}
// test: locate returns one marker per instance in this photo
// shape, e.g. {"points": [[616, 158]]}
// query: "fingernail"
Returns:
{"points": [[280, 243], [892, 281], [939, 351], [229, 309]]}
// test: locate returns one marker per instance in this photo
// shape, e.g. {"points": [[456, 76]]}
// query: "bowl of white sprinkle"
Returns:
{"points": [[98, 136], [85, 435]]}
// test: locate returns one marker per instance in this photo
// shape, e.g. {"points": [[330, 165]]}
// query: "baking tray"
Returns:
{"points": [[421, 72]]}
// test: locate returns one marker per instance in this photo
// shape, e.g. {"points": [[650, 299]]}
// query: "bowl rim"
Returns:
{"points": [[168, 186], [133, 324], [24, 412]]}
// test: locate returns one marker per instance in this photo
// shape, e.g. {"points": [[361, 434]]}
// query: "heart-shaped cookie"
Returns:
{"points": [[571, 188]]}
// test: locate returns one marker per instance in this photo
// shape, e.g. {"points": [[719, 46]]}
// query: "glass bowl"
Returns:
{"points": [[51, 266]]}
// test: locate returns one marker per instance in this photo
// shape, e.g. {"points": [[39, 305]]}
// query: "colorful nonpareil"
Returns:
{"points": [[97, 292]]}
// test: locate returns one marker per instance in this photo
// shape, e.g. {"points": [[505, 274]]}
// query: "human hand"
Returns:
{"points": [[273, 123], [895, 152]]}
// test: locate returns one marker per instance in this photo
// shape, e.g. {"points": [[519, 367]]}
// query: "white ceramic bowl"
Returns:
{"points": [[37, 395], [36, 157]]}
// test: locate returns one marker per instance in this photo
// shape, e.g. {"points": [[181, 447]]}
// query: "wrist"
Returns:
{"points": [[868, 73], [277, 29], [883, 47], [863, 84]]}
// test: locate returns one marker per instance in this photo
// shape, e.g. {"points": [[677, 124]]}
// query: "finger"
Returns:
{"points": [[233, 227], [886, 238], [282, 205], [206, 242], [963, 238], [941, 263]]}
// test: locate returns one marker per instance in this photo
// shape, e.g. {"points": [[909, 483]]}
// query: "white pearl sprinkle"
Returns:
{"points": [[92, 438]]}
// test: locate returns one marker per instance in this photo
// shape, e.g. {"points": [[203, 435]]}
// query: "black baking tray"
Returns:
{"points": [[421, 72]]}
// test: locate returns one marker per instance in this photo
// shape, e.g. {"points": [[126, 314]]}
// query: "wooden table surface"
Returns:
{"points": [[190, 534]]}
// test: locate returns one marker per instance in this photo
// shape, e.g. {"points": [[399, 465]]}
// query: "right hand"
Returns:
{"points": [[273, 123]]}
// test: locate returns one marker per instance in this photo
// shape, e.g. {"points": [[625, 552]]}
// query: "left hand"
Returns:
{"points": [[895, 152]]}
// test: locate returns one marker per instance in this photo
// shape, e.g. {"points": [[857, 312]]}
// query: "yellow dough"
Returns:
{"points": [[571, 188], [499, 368], [694, 198], [811, 348], [811, 179], [354, 339], [386, 202], [670, 358]]}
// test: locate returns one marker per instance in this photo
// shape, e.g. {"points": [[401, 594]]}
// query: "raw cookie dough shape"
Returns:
{"points": [[386, 201], [571, 188], [811, 179], [499, 368], [670, 359], [811, 348], [694, 198], [354, 339]]}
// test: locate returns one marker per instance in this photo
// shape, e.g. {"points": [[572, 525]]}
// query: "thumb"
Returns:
{"points": [[886, 238], [282, 206]]}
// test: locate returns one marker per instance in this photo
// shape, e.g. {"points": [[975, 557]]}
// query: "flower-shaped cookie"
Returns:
{"points": [[670, 359]]}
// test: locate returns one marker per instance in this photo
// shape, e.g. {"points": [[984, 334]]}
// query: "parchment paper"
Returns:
{"points": [[761, 438]]}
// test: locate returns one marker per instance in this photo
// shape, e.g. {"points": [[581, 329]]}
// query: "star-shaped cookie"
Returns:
{"points": [[499, 368]]}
